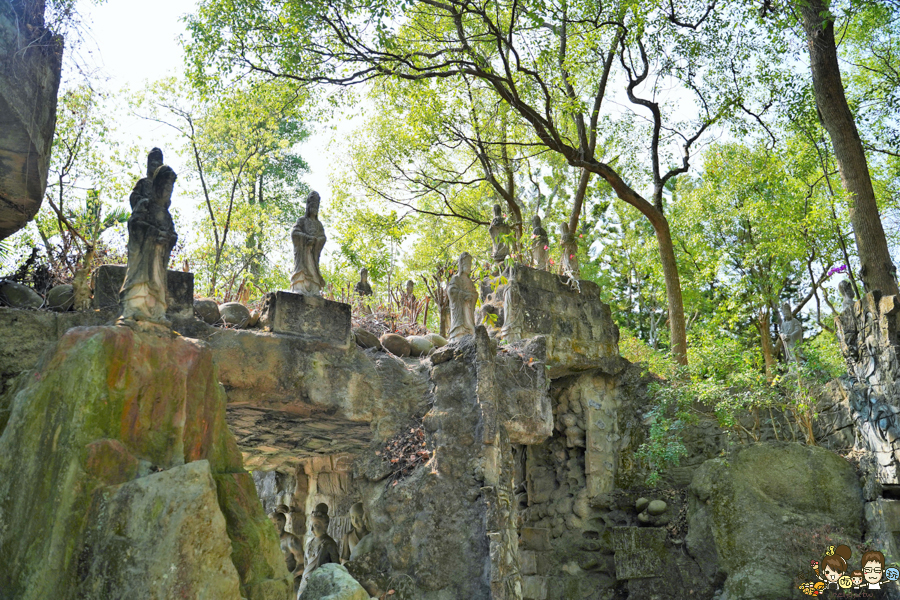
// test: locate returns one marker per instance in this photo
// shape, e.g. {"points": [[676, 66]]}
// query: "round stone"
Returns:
{"points": [[657, 507], [235, 314], [419, 345], [641, 504], [254, 319], [17, 295], [207, 310], [395, 344], [61, 298], [366, 339], [436, 340]]}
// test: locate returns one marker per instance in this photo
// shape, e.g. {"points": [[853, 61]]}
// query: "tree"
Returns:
{"points": [[551, 64], [877, 270]]}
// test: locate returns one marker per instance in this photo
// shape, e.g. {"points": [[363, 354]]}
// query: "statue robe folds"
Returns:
{"points": [[308, 236], [151, 237], [462, 294]]}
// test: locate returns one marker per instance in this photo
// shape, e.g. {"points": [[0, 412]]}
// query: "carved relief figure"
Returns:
{"points": [[291, 545], [498, 230], [308, 236], [791, 333], [362, 287], [151, 237], [462, 295], [540, 244], [321, 550], [569, 245], [849, 298], [357, 531]]}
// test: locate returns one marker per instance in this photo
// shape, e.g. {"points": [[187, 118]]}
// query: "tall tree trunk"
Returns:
{"points": [[764, 326], [877, 270], [677, 327]]}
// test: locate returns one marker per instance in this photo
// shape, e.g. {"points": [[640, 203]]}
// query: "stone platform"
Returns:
{"points": [[311, 317], [107, 281]]}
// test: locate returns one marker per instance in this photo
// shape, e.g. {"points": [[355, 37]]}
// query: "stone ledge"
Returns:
{"points": [[311, 317], [107, 281]]}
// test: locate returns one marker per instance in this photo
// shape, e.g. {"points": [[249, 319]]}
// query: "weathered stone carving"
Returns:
{"points": [[357, 531], [498, 230], [849, 298], [462, 295], [540, 244], [151, 237], [362, 287], [569, 245], [308, 236], [291, 545], [322, 549], [791, 333]]}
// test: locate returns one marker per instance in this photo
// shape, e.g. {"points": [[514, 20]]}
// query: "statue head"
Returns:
{"points": [[846, 289], [312, 205], [465, 263], [364, 275], [357, 516], [319, 520], [279, 519], [536, 221], [497, 212], [564, 229], [786, 311], [154, 161], [410, 286]]}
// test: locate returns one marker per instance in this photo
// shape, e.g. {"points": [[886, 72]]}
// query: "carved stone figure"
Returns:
{"points": [[791, 333], [540, 244], [499, 229], [291, 545], [462, 295], [849, 298], [362, 287], [409, 296], [321, 550], [308, 236], [357, 531], [569, 245], [151, 237]]}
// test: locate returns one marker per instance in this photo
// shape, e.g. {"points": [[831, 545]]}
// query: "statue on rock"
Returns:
{"points": [[849, 298], [291, 545], [308, 236], [362, 287], [569, 245], [499, 230], [151, 237], [357, 531], [791, 333], [462, 294], [540, 244], [321, 550]]}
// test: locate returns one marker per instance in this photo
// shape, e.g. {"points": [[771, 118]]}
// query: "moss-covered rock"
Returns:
{"points": [[757, 501], [105, 406]]}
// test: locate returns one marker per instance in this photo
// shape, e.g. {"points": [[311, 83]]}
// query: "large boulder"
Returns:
{"points": [[234, 314], [61, 297], [419, 345], [207, 310], [102, 411], [750, 510], [17, 295], [332, 582], [395, 344]]}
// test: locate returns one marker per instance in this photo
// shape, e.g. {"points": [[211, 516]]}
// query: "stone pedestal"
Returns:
{"points": [[107, 282], [311, 317]]}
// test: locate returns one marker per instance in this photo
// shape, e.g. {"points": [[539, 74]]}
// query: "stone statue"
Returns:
{"points": [[849, 298], [81, 284], [151, 237], [409, 297], [499, 229], [791, 333], [462, 294], [569, 245], [540, 244], [362, 287], [357, 531], [308, 236], [291, 545], [321, 550]]}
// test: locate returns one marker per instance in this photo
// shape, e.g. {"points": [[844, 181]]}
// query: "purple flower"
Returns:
{"points": [[835, 270]]}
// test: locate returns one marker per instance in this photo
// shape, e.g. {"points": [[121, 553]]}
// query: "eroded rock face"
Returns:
{"points": [[102, 411], [30, 62], [746, 509], [333, 582]]}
